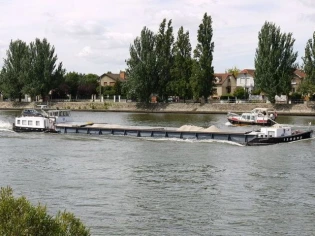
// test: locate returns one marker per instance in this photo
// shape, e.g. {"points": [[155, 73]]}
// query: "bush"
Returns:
{"points": [[227, 97], [240, 93], [19, 217]]}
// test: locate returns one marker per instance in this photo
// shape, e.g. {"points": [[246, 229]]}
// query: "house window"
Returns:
{"points": [[112, 83], [30, 122], [105, 84], [228, 89], [37, 123]]}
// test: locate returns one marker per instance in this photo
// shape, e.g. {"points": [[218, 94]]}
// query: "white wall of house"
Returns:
{"points": [[246, 81]]}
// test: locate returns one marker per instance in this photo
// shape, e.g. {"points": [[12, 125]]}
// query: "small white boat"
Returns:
{"points": [[258, 116], [32, 120]]}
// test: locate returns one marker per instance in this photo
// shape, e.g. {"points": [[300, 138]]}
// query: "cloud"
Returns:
{"points": [[94, 36]]}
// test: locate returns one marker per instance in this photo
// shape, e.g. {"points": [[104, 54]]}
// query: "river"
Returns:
{"points": [[136, 186]]}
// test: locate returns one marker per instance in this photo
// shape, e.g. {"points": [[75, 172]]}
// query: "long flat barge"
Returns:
{"points": [[156, 132]]}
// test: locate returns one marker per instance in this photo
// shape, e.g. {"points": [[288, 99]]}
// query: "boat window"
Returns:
{"points": [[30, 122], [18, 122], [37, 123], [24, 122]]}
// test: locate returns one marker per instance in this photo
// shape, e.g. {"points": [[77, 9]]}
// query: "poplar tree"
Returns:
{"points": [[309, 60], [274, 61], [142, 67], [182, 67], [15, 70], [164, 44], [202, 80], [45, 74]]}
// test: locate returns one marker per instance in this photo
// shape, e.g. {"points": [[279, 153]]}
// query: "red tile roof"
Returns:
{"points": [[248, 71], [300, 73], [222, 77]]}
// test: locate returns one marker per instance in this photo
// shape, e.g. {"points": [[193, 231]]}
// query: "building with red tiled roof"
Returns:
{"points": [[297, 79], [225, 83], [246, 79]]}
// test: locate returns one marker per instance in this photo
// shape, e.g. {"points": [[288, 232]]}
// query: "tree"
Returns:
{"points": [[234, 71], [182, 67], [142, 67], [202, 80], [164, 44], [309, 60], [240, 93], [87, 85], [274, 61], [45, 76], [72, 81], [15, 70], [19, 217]]}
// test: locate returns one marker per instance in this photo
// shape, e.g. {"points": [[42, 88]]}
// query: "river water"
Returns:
{"points": [[135, 186]]}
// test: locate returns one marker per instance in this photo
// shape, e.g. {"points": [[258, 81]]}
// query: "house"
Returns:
{"points": [[110, 79], [225, 83], [297, 79], [245, 79]]}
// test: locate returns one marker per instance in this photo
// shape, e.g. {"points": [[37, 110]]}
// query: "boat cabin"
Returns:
{"points": [[273, 131], [61, 116]]}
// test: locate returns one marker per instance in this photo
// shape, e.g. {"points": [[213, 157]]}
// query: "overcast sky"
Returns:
{"points": [[94, 36]]}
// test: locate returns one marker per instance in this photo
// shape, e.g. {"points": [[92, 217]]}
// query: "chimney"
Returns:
{"points": [[122, 75]]}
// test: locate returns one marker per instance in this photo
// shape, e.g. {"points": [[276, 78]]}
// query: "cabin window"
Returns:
{"points": [[18, 122], [30, 122], [24, 122], [37, 123]]}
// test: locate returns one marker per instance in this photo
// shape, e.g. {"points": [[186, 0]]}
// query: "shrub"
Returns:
{"points": [[19, 217], [227, 97]]}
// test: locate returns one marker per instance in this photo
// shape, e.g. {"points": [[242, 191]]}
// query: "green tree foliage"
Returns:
{"points": [[202, 81], [234, 71], [240, 92], [72, 80], [45, 76], [307, 87], [164, 44], [142, 67], [309, 60], [16, 70], [274, 61], [87, 85], [182, 67], [19, 217]]}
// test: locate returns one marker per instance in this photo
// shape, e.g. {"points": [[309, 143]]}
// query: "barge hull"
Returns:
{"points": [[240, 138]]}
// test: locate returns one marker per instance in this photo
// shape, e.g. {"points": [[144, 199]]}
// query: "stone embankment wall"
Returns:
{"points": [[288, 109]]}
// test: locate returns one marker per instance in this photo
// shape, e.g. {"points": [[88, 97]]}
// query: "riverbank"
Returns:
{"points": [[306, 109]]}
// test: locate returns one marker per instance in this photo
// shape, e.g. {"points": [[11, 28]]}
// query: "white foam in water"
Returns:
{"points": [[194, 140], [5, 126]]}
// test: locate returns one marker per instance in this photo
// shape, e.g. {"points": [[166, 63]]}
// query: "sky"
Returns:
{"points": [[94, 36]]}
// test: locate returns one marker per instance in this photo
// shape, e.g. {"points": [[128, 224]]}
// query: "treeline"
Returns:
{"points": [[159, 65], [33, 70], [275, 63]]}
